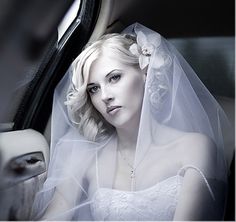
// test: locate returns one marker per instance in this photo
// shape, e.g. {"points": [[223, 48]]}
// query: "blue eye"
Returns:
{"points": [[114, 78], [93, 89]]}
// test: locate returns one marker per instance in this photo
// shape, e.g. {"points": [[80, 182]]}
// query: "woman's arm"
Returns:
{"points": [[64, 199], [196, 202]]}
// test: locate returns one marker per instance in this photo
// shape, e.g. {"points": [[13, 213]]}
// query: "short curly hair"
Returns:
{"points": [[84, 116]]}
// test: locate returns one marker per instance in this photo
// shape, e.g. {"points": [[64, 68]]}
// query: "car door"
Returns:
{"points": [[35, 51]]}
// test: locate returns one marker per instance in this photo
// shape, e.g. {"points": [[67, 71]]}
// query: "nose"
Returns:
{"points": [[106, 95]]}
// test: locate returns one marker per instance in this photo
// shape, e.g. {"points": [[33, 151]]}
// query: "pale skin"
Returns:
{"points": [[108, 86]]}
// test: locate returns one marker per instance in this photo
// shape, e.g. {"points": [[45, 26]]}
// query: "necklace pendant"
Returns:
{"points": [[132, 174]]}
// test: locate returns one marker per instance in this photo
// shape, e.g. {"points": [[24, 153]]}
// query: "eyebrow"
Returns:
{"points": [[114, 70], [107, 75]]}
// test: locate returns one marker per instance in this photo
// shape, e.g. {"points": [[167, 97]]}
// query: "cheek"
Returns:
{"points": [[96, 104], [136, 89], [134, 95]]}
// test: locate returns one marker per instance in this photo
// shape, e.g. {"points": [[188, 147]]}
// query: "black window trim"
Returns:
{"points": [[35, 108]]}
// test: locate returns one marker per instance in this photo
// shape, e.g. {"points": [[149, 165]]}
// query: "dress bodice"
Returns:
{"points": [[155, 203]]}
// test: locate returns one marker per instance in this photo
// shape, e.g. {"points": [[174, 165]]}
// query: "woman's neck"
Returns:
{"points": [[127, 135], [127, 138]]}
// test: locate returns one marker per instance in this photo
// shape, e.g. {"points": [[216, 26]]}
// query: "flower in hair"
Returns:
{"points": [[144, 48]]}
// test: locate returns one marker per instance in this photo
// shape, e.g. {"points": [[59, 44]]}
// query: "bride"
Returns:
{"points": [[140, 137]]}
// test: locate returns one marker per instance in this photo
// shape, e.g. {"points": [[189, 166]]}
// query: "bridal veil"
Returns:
{"points": [[174, 98]]}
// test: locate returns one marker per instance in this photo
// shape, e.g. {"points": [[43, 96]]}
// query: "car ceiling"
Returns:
{"points": [[178, 18]]}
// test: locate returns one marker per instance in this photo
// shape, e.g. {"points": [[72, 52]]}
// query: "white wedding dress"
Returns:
{"points": [[155, 203]]}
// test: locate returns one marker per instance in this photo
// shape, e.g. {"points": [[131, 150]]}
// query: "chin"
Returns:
{"points": [[118, 125], [123, 123]]}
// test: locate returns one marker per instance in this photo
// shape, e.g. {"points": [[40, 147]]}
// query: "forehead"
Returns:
{"points": [[103, 65]]}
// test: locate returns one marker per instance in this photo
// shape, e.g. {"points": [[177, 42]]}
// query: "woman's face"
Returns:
{"points": [[116, 91]]}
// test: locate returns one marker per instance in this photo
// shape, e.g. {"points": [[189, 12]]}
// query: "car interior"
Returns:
{"points": [[40, 39]]}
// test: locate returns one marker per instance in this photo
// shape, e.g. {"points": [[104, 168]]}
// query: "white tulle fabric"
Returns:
{"points": [[174, 97]]}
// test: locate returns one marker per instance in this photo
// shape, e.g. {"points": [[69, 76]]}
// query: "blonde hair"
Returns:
{"points": [[87, 119]]}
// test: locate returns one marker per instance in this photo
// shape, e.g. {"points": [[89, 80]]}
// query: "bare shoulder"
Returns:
{"points": [[199, 142], [198, 149], [189, 148], [185, 140]]}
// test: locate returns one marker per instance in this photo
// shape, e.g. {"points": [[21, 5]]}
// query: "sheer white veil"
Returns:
{"points": [[175, 101]]}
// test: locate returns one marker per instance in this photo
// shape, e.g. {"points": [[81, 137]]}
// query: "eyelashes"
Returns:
{"points": [[93, 89], [114, 78]]}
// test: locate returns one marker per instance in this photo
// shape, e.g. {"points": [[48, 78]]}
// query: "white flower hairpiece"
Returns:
{"points": [[144, 48]]}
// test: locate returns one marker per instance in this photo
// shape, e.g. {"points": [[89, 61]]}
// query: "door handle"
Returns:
{"points": [[22, 168]]}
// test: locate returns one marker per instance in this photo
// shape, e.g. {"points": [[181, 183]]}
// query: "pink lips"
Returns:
{"points": [[112, 109]]}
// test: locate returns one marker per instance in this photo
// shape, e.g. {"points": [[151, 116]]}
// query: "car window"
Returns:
{"points": [[25, 48], [69, 36], [68, 19]]}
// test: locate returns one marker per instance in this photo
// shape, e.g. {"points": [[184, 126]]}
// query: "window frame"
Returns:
{"points": [[35, 108]]}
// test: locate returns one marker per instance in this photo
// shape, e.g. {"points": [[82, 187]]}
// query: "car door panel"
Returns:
{"points": [[24, 159]]}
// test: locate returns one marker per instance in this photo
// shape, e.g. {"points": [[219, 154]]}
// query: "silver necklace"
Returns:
{"points": [[132, 168], [132, 171]]}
